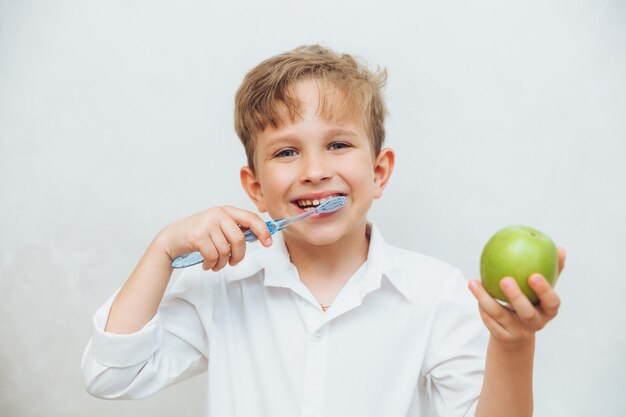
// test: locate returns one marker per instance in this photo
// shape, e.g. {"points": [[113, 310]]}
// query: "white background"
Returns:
{"points": [[116, 119]]}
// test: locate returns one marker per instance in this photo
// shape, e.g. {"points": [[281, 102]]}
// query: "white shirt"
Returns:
{"points": [[403, 338]]}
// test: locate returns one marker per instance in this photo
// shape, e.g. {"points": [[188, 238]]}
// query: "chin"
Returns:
{"points": [[318, 236], [322, 240]]}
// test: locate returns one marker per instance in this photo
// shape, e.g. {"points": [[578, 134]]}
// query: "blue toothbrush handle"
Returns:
{"points": [[188, 259], [194, 258]]}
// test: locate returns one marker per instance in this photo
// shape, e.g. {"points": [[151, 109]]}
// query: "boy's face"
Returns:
{"points": [[311, 158]]}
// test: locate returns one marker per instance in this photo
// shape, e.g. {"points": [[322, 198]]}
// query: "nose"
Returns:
{"points": [[315, 169]]}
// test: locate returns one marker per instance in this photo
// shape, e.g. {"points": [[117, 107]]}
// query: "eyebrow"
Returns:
{"points": [[339, 131], [331, 132]]}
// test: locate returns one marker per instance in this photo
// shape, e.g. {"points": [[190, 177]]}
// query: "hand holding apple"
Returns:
{"points": [[518, 252], [518, 321]]}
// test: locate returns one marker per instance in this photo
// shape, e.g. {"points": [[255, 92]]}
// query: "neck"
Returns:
{"points": [[334, 262]]}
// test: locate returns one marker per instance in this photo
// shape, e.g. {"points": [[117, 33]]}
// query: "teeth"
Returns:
{"points": [[311, 204]]}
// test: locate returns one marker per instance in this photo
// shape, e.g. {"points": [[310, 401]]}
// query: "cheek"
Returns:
{"points": [[275, 184], [360, 177]]}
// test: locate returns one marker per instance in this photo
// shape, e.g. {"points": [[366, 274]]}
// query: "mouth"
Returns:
{"points": [[308, 203]]}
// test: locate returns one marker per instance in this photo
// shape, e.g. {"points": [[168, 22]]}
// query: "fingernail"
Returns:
{"points": [[507, 283], [268, 241], [535, 280], [473, 285]]}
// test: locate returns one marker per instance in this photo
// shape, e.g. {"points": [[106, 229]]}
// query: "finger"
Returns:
{"points": [[496, 311], [562, 255], [236, 240], [222, 246], [209, 253], [548, 298], [493, 326], [252, 221], [522, 306]]}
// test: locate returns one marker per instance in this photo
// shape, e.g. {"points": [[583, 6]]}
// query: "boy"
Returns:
{"points": [[325, 318]]}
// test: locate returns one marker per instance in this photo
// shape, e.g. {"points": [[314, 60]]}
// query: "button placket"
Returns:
{"points": [[315, 373]]}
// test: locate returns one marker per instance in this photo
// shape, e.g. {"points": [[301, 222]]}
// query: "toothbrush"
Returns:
{"points": [[331, 205]]}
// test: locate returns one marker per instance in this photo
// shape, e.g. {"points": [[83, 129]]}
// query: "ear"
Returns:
{"points": [[383, 167], [252, 187]]}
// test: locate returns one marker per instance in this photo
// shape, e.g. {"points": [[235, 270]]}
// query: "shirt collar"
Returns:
{"points": [[382, 262], [280, 272]]}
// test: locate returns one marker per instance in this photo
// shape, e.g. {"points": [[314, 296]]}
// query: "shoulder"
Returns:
{"points": [[418, 261], [422, 276], [418, 265]]}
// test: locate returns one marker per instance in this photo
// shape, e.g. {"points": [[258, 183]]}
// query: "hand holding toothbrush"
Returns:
{"points": [[215, 236]]}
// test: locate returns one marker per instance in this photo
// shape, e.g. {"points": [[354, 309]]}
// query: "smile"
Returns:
{"points": [[310, 204]]}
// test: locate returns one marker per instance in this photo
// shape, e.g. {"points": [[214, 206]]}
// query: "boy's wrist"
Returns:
{"points": [[161, 244], [512, 348]]}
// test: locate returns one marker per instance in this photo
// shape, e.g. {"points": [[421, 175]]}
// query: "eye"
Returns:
{"points": [[338, 145], [285, 153]]}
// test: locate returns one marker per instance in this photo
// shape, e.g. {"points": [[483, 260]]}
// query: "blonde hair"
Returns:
{"points": [[268, 88]]}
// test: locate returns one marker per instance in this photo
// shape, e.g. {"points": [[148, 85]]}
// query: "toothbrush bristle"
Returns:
{"points": [[332, 204]]}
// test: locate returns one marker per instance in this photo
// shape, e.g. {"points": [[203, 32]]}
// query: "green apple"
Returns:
{"points": [[518, 252]]}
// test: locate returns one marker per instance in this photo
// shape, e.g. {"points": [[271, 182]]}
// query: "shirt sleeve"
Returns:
{"points": [[455, 360], [169, 348]]}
